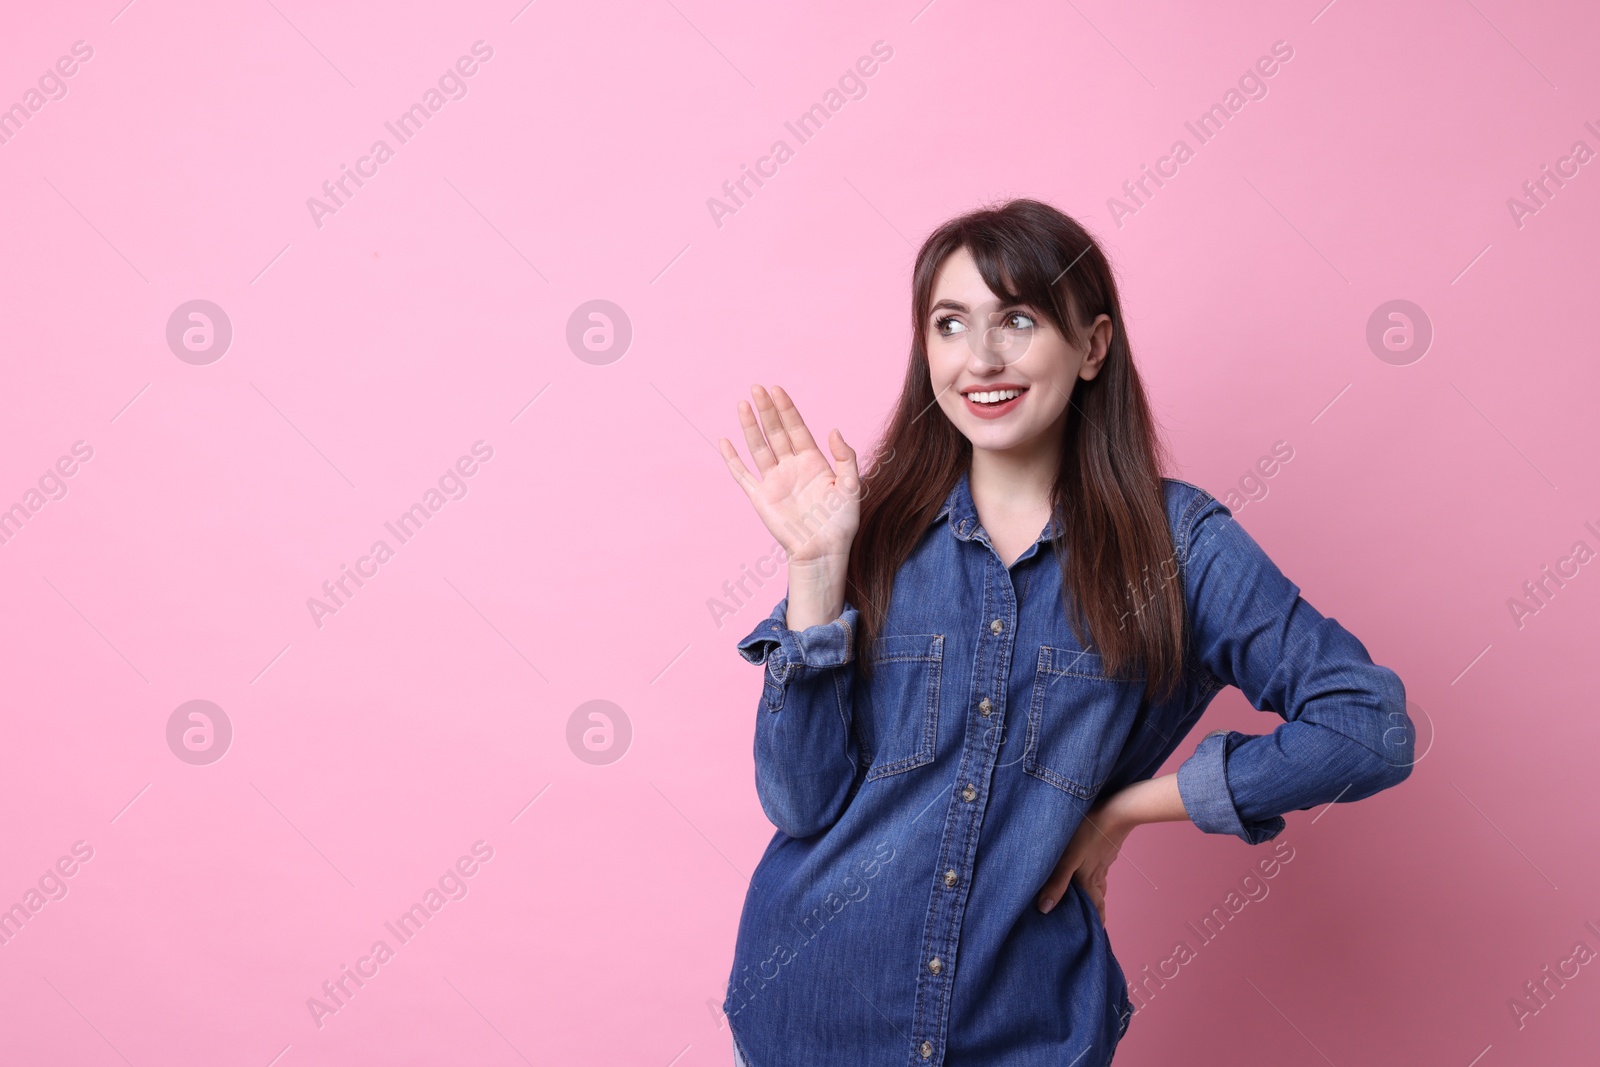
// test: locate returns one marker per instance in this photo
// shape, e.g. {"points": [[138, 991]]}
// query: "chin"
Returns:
{"points": [[997, 441]]}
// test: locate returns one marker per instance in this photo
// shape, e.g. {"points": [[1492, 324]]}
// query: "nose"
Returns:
{"points": [[992, 343], [994, 337]]}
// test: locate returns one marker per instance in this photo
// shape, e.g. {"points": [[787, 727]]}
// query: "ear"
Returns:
{"points": [[1099, 345]]}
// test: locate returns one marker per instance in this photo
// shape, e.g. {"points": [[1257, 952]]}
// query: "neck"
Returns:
{"points": [[1016, 479]]}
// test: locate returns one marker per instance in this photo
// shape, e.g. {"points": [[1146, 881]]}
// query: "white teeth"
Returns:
{"points": [[995, 397]]}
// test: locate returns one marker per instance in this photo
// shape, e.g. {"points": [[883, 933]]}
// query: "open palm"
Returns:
{"points": [[812, 509]]}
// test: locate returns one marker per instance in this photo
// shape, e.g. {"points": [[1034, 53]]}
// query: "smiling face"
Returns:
{"points": [[1003, 373]]}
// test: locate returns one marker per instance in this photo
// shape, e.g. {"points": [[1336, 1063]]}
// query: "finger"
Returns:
{"points": [[846, 470], [736, 467], [793, 424], [772, 423], [1096, 888], [754, 440], [1055, 887]]}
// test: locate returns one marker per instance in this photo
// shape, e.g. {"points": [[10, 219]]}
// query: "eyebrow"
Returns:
{"points": [[956, 305]]}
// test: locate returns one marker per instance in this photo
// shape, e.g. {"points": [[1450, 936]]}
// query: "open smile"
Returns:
{"points": [[995, 401]]}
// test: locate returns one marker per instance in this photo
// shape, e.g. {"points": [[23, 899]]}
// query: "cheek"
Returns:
{"points": [[1050, 402], [944, 362], [1052, 374]]}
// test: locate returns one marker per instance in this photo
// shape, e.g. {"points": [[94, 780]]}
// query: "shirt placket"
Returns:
{"points": [[980, 749]]}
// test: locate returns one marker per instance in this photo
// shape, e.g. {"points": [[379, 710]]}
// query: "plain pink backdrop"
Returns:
{"points": [[372, 351]]}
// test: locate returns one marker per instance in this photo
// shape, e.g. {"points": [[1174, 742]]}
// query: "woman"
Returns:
{"points": [[956, 731]]}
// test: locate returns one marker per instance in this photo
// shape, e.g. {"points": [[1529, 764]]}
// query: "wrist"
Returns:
{"points": [[818, 567], [816, 596], [1116, 815], [816, 591], [1150, 800]]}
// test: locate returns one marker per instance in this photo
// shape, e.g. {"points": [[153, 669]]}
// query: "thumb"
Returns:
{"points": [[846, 470], [1058, 884]]}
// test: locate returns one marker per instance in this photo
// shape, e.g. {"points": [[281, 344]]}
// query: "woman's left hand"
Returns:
{"points": [[1088, 857]]}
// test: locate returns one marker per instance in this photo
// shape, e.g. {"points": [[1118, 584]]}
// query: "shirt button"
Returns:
{"points": [[926, 1050], [984, 707], [969, 794], [996, 626], [935, 966], [950, 878]]}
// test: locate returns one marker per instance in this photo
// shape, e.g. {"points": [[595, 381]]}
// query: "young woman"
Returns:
{"points": [[991, 639]]}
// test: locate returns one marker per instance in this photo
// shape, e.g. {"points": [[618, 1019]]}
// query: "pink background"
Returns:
{"points": [[368, 354]]}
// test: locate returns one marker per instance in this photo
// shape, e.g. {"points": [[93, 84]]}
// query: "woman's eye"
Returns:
{"points": [[945, 323], [1020, 320]]}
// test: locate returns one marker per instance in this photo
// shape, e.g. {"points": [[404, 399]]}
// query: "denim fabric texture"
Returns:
{"points": [[891, 919]]}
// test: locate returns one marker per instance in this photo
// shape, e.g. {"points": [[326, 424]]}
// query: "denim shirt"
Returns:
{"points": [[891, 920]]}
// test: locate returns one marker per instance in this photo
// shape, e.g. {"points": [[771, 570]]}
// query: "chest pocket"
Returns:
{"points": [[1077, 721], [901, 703]]}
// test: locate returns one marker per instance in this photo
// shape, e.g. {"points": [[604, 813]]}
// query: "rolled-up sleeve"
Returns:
{"points": [[1346, 734], [806, 752], [789, 654]]}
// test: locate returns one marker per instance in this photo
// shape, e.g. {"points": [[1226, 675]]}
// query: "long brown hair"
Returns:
{"points": [[1116, 554]]}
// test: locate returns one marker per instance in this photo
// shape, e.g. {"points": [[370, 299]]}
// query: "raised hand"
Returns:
{"points": [[812, 510], [812, 507]]}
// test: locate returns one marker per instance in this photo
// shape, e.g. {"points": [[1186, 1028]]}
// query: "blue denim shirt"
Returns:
{"points": [[891, 919]]}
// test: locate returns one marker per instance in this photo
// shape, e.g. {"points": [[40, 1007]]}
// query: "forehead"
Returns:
{"points": [[958, 279]]}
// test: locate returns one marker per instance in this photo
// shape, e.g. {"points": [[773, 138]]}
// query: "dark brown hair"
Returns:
{"points": [[1116, 554]]}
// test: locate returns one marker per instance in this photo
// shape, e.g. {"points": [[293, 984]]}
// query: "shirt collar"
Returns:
{"points": [[963, 513]]}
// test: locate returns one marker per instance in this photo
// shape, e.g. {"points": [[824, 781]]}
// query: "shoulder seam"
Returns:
{"points": [[1186, 520], [1191, 485]]}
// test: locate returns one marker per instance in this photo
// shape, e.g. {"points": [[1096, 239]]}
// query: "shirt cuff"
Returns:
{"points": [[1203, 785], [786, 652]]}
